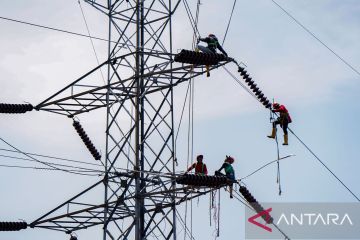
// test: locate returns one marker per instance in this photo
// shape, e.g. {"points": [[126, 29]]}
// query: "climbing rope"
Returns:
{"points": [[215, 215], [316, 157], [278, 163], [218, 216], [272, 119], [189, 149], [211, 205], [182, 222], [180, 121], [191, 90]]}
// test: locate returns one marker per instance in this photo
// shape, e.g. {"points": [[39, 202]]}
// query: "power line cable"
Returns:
{"points": [[23, 167], [245, 203], [266, 166], [52, 157], [318, 39], [44, 163], [191, 115], [244, 87], [240, 83], [322, 163], [51, 164], [195, 37], [91, 40], [80, 172], [228, 25], [98, 62], [191, 17], [52, 28], [182, 113], [234, 77]]}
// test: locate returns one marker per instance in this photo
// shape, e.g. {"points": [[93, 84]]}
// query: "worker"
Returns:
{"points": [[229, 171], [284, 119], [213, 44], [199, 166]]}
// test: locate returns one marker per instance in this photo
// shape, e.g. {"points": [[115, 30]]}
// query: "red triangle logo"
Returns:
{"points": [[266, 213]]}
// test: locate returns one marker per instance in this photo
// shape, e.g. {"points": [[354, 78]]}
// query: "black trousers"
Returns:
{"points": [[283, 123]]}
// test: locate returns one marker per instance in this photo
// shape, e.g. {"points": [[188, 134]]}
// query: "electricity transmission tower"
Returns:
{"points": [[140, 194], [139, 189]]}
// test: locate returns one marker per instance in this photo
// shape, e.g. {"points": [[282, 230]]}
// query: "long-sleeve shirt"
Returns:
{"points": [[213, 44], [284, 114]]}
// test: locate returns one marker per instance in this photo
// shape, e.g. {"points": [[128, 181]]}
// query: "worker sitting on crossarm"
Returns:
{"points": [[199, 166], [284, 119], [229, 171], [213, 44]]}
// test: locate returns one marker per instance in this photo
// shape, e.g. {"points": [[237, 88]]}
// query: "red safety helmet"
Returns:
{"points": [[229, 159], [199, 157], [276, 105]]}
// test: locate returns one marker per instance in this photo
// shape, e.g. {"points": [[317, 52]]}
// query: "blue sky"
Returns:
{"points": [[319, 90]]}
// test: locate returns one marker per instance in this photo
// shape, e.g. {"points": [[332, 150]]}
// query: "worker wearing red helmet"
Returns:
{"points": [[229, 171], [284, 119], [199, 166], [212, 45]]}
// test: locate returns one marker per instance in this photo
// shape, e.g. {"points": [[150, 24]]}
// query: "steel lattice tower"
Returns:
{"points": [[140, 192]]}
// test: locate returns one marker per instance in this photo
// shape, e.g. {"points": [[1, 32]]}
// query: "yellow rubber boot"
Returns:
{"points": [[207, 71], [273, 133], [286, 140]]}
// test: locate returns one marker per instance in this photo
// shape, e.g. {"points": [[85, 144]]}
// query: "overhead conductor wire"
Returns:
{"points": [[228, 25], [318, 39], [253, 95], [42, 162], [51, 28], [348, 189], [80, 169]]}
